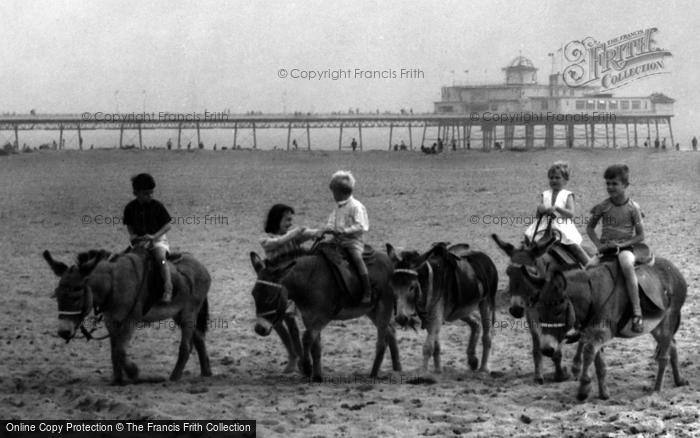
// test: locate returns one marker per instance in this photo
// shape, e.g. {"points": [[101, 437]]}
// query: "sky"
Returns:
{"points": [[153, 56]]}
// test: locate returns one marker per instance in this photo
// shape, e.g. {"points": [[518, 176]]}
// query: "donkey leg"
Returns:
{"points": [[536, 352], [117, 359], [677, 379], [429, 345], [393, 347], [485, 310], [119, 341], [286, 340], [306, 366], [474, 331], [201, 347], [578, 357], [317, 374], [589, 353], [296, 340], [600, 372], [560, 372], [186, 330]]}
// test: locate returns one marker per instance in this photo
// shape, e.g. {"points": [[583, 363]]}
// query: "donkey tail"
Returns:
{"points": [[203, 316]]}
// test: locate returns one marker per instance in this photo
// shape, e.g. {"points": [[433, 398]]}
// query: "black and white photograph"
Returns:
{"points": [[349, 218]]}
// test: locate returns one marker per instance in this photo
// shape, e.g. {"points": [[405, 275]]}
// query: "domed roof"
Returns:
{"points": [[521, 61]]}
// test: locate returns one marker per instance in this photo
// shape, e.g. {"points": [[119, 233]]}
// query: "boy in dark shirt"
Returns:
{"points": [[147, 221]]}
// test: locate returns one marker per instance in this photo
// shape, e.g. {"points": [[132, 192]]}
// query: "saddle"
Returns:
{"points": [[564, 256], [461, 279], [642, 255], [344, 271], [652, 297]]}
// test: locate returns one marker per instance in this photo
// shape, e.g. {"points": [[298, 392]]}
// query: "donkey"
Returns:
{"points": [[596, 301], [118, 286], [312, 286], [441, 286], [528, 268]]}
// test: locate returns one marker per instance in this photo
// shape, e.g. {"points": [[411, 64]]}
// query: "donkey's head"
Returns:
{"points": [[73, 296], [406, 284], [269, 294], [556, 311], [526, 272]]}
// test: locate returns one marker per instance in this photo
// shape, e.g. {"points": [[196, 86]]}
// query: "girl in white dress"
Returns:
{"points": [[559, 202]]}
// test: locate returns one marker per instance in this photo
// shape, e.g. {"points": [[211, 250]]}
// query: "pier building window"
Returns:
{"points": [[601, 104], [636, 105], [590, 105], [624, 104], [612, 105], [580, 104]]}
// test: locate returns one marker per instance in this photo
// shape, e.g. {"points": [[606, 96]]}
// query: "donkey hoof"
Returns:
{"points": [[175, 377], [539, 380], [562, 377], [306, 369], [681, 382], [581, 396], [473, 363], [317, 379], [291, 366], [132, 371], [117, 382], [604, 396]]}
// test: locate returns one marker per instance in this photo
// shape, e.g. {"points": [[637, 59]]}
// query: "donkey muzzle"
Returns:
{"points": [[263, 327], [66, 329]]}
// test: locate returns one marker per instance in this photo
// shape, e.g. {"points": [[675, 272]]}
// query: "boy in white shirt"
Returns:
{"points": [[348, 222]]}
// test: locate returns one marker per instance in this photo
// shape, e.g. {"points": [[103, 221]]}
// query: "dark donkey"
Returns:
{"points": [[118, 286], [529, 265], [446, 284], [312, 286], [596, 301]]}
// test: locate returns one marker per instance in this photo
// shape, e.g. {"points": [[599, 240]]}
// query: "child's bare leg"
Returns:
{"points": [[160, 253], [626, 259], [364, 274]]}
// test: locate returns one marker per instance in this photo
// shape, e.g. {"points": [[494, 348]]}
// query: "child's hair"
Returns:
{"points": [[143, 181], [618, 171], [562, 167], [343, 181], [274, 217]]}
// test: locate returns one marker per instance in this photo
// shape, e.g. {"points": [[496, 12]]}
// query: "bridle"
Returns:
{"points": [[278, 312]]}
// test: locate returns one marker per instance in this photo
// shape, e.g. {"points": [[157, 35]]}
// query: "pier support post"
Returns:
{"points": [[308, 136], [340, 139]]}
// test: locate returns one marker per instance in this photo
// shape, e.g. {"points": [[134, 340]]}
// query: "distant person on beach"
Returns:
{"points": [[656, 143], [189, 145], [694, 143], [294, 144], [169, 144], [147, 221], [353, 144], [663, 143]]}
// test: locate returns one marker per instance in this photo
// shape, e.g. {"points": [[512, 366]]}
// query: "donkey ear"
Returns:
{"points": [[391, 252], [506, 247], [58, 268], [257, 262]]}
